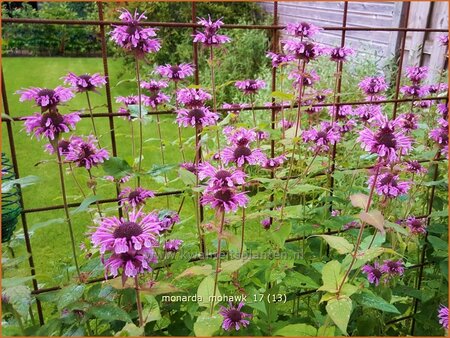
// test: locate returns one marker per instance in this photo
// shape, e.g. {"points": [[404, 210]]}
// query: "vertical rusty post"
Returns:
{"points": [[108, 89], [405, 19], [23, 215]]}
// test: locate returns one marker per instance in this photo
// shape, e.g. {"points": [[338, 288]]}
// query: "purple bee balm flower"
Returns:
{"points": [[266, 223], [307, 79], [85, 82], [224, 199], [389, 185], [250, 86], [131, 264], [173, 245], [285, 124], [408, 122], [127, 235], [321, 138], [275, 162], [442, 108], [279, 59], [416, 225], [51, 124], [393, 268], [443, 41], [367, 111], [44, 97], [175, 72], [414, 90], [242, 154], [196, 117], [442, 122], [335, 213], [156, 99], [233, 317], [63, 147], [302, 29], [415, 167], [209, 36], [303, 50], [239, 136], [134, 197], [322, 94], [262, 135], [436, 88], [192, 97], [373, 273], [340, 112], [167, 219], [423, 104], [154, 85], [133, 37], [351, 225], [440, 136], [340, 54], [84, 153], [385, 141], [189, 166], [373, 85], [234, 108], [443, 310], [221, 177], [120, 180], [416, 74]]}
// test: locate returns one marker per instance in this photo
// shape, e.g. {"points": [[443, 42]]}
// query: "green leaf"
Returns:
{"points": [[117, 167], [370, 300], [205, 291], [283, 96], [20, 298], [23, 182], [326, 331], [437, 243], [373, 217], [6, 117], [187, 177], [15, 281], [69, 295], [281, 235], [160, 288], [52, 221], [233, 265], [331, 276], [134, 111], [130, 330], [206, 325], [158, 170], [340, 244], [151, 310], [296, 330], [86, 203], [109, 312], [303, 188], [198, 270], [339, 311]]}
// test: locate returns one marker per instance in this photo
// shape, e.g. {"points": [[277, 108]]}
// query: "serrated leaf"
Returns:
{"points": [[187, 177], [359, 200], [340, 244], [296, 330], [206, 325], [117, 167], [20, 298], [206, 290], [109, 312], [69, 295], [198, 270], [339, 311], [374, 218], [157, 170], [86, 203], [370, 300]]}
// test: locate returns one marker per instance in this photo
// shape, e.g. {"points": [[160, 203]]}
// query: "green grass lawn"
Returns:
{"points": [[51, 246]]}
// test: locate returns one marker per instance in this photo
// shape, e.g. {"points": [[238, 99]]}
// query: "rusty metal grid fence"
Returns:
{"points": [[274, 30]]}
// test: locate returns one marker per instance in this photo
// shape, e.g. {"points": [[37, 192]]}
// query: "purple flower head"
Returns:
{"points": [[242, 154], [262, 135], [266, 223], [347, 126], [373, 273], [303, 50], [351, 225], [85, 82], [368, 111], [443, 310], [340, 54], [192, 97], [173, 245], [423, 104], [224, 199], [416, 74], [131, 264], [279, 59], [340, 112], [133, 37], [285, 124], [437, 88], [322, 94], [233, 317], [322, 137], [127, 235], [393, 268], [51, 124], [443, 39], [129, 101], [408, 122], [234, 108], [239, 136], [175, 72], [275, 162], [221, 177], [389, 185], [302, 29], [189, 166], [415, 167], [84, 153], [155, 99], [154, 85], [414, 90], [63, 147], [44, 97], [196, 117], [134, 197], [167, 219], [307, 79], [373, 85], [124, 179], [250, 86], [440, 136], [209, 36], [416, 225], [442, 108], [387, 142]]}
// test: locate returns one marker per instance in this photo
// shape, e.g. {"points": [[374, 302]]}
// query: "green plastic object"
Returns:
{"points": [[11, 207]]}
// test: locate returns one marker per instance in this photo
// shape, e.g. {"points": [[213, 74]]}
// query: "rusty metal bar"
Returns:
{"points": [[23, 216]]}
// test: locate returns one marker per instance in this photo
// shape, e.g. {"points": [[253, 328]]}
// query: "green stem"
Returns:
{"points": [[216, 278], [138, 301], [141, 138], [92, 118], [94, 191]]}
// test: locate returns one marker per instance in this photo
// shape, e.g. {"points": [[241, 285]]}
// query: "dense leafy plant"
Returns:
{"points": [[329, 220]]}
